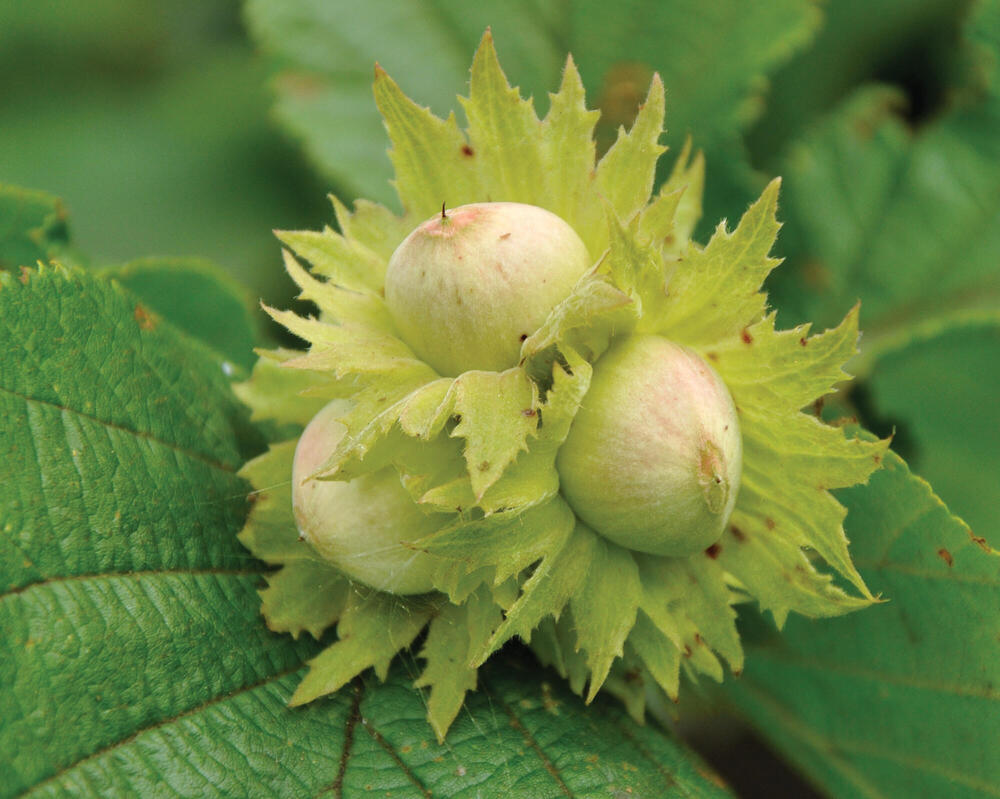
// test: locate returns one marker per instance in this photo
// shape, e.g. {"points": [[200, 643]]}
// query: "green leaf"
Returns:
{"points": [[120, 573], [940, 388], [327, 51], [153, 128], [709, 56], [199, 298], [133, 657], [900, 700], [899, 36], [913, 234], [32, 228]]}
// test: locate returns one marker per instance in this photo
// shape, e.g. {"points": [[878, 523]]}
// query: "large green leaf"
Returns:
{"points": [[907, 221], [914, 233], [200, 299], [133, 657], [941, 389], [901, 700], [913, 43], [712, 58]]}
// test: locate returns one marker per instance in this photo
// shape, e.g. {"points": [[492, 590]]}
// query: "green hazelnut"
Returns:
{"points": [[469, 285], [654, 456], [358, 526]]}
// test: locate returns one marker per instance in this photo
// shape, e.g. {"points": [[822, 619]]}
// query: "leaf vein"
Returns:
{"points": [[159, 724], [529, 739], [121, 428], [72, 578]]}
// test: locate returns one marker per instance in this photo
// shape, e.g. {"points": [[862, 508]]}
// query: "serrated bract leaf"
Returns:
{"points": [[556, 578], [432, 157], [714, 292], [625, 174], [372, 629], [605, 608], [454, 634], [498, 412], [287, 396]]}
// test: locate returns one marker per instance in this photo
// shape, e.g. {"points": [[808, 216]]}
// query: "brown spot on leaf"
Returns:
{"points": [[713, 551], [145, 319], [524, 337], [770, 523], [745, 335], [979, 541], [712, 356], [484, 466], [738, 534], [687, 651], [504, 236], [804, 342], [945, 555], [529, 412], [467, 151], [877, 457]]}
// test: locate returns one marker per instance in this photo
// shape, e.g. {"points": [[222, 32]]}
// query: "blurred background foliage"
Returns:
{"points": [[177, 130]]}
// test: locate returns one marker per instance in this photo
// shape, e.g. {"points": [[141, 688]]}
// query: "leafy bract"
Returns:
{"points": [[913, 680]]}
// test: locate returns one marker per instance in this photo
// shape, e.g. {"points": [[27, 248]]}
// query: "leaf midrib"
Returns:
{"points": [[196, 456]]}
